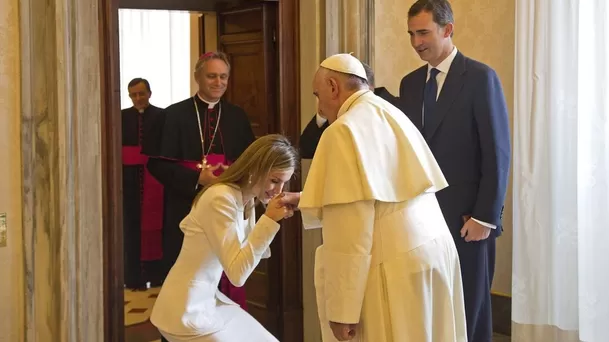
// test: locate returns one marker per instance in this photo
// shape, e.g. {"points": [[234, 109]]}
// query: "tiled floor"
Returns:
{"points": [[137, 314]]}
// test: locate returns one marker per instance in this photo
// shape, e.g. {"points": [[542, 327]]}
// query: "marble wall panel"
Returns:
{"points": [[61, 170]]}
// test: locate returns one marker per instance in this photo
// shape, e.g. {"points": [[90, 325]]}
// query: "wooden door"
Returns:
{"points": [[248, 35], [245, 35], [280, 295]]}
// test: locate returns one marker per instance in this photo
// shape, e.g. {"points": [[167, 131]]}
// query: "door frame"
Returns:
{"points": [[289, 125]]}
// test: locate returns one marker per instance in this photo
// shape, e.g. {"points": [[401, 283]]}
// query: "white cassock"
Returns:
{"points": [[388, 261]]}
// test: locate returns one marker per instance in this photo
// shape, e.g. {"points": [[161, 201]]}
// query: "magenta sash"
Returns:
{"points": [[151, 213]]}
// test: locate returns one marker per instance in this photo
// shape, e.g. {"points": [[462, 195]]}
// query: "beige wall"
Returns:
{"points": [[11, 280], [484, 30]]}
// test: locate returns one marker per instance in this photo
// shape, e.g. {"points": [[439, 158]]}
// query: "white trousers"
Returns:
{"points": [[240, 326]]}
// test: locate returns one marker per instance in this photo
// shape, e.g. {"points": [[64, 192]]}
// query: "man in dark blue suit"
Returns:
{"points": [[459, 106]]}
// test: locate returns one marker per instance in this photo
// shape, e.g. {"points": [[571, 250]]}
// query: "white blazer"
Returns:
{"points": [[217, 238]]}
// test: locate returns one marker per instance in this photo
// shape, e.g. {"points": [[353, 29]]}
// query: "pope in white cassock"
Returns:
{"points": [[388, 269]]}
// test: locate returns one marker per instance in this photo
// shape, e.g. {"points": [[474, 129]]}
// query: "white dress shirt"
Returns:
{"points": [[443, 68]]}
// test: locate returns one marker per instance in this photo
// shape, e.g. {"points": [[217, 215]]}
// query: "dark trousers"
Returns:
{"points": [[477, 270]]}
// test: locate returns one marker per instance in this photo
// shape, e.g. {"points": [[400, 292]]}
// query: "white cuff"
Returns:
{"points": [[266, 254], [310, 218], [487, 225]]}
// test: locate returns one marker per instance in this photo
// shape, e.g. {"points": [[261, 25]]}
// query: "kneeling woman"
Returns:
{"points": [[220, 234]]}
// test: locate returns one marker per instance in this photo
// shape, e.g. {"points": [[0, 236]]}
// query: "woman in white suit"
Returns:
{"points": [[220, 234]]}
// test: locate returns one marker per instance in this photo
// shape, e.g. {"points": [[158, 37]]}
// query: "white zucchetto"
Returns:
{"points": [[345, 63]]}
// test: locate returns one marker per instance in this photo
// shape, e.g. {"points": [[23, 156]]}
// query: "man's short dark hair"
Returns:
{"points": [[137, 81], [441, 11]]}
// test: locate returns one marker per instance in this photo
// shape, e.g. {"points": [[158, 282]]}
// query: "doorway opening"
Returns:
{"points": [[156, 51], [265, 31]]}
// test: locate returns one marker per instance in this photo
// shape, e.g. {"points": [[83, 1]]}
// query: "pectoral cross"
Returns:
{"points": [[203, 164]]}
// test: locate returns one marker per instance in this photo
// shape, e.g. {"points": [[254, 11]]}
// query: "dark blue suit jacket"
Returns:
{"points": [[469, 138]]}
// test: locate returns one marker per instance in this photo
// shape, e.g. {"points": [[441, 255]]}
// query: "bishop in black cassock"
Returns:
{"points": [[202, 127], [142, 193]]}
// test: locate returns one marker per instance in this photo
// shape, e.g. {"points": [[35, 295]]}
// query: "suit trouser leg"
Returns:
{"points": [[477, 269]]}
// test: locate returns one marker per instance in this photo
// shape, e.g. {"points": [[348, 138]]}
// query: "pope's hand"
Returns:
{"points": [[343, 332], [291, 199]]}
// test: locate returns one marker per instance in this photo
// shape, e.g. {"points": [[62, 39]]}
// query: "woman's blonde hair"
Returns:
{"points": [[266, 154]]}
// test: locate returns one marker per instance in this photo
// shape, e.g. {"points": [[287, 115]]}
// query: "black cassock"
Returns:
{"points": [[312, 133], [180, 151], [142, 199]]}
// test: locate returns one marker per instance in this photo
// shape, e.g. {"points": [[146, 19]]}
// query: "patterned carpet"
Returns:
{"points": [[138, 328], [138, 305]]}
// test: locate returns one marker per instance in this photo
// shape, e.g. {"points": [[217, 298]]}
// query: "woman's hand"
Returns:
{"points": [[276, 210]]}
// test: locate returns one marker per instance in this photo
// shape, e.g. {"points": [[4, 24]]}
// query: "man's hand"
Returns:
{"points": [[474, 231], [207, 173], [291, 199], [343, 332]]}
